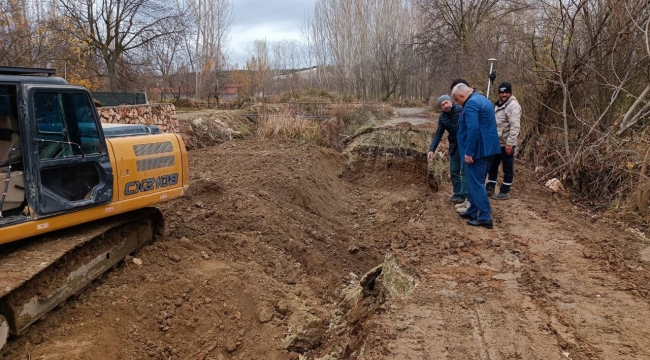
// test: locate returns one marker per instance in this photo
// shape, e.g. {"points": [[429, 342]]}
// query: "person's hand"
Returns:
{"points": [[508, 149], [469, 159], [430, 155]]}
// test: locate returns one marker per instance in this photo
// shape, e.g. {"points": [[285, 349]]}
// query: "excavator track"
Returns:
{"points": [[42, 272]]}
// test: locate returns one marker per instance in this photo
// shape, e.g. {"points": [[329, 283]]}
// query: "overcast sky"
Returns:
{"points": [[264, 19]]}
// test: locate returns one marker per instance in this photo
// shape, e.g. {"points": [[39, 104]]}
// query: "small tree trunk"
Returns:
{"points": [[642, 190], [565, 99], [627, 122], [110, 69]]}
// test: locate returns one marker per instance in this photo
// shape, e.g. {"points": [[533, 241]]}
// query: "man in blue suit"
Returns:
{"points": [[478, 141]]}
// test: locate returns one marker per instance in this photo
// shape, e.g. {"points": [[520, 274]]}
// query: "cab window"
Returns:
{"points": [[65, 124]]}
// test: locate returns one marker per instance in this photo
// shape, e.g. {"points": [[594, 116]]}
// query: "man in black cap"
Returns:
{"points": [[508, 114]]}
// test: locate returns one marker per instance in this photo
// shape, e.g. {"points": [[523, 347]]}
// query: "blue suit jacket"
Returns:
{"points": [[477, 128]]}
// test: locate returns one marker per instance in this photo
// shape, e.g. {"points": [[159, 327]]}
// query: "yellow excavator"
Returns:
{"points": [[76, 195]]}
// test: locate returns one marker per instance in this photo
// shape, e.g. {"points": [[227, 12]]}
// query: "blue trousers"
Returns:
{"points": [[457, 172], [476, 173]]}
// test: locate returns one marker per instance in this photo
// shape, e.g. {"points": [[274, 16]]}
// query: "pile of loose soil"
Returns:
{"points": [[212, 127], [247, 269]]}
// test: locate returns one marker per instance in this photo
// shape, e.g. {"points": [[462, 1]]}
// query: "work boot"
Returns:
{"points": [[457, 199], [501, 196], [476, 222], [465, 215], [489, 187]]}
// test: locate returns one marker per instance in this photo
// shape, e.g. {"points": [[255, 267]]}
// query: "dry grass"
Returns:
{"points": [[288, 126], [285, 123], [359, 115], [331, 132]]}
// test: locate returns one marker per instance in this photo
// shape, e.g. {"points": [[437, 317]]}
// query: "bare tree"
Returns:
{"points": [[285, 60], [28, 33], [254, 80], [458, 36], [15, 28], [166, 59], [340, 32], [213, 22], [315, 50], [114, 28], [393, 34], [640, 109], [365, 44]]}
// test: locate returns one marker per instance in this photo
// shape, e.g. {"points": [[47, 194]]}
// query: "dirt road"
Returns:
{"points": [[263, 260], [530, 289]]}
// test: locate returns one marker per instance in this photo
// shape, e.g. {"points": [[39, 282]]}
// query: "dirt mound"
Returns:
{"points": [[248, 265], [212, 127], [387, 157]]}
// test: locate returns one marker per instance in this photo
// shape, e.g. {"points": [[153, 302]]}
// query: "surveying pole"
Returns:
{"points": [[492, 75]]}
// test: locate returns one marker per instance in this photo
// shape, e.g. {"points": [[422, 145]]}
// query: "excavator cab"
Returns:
{"points": [[12, 179], [53, 155], [72, 166]]}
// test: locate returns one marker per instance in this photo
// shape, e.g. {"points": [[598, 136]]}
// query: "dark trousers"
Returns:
{"points": [[508, 162], [480, 204], [457, 172]]}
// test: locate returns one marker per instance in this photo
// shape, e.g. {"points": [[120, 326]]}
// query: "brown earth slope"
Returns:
{"points": [[264, 258]]}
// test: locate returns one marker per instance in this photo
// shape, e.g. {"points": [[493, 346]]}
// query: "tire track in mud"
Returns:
{"points": [[584, 305], [539, 299], [479, 333]]}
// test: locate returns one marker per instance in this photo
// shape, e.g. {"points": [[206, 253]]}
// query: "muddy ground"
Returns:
{"points": [[266, 256]]}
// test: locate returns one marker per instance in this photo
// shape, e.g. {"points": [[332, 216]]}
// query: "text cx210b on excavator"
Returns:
{"points": [[75, 194]]}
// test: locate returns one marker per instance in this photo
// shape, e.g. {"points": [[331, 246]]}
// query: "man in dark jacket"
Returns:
{"points": [[479, 143], [448, 121]]}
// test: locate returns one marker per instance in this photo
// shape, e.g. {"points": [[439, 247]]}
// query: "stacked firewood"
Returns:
{"points": [[151, 114]]}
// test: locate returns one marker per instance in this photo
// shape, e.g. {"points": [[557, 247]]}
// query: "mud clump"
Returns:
{"points": [[305, 331], [396, 281], [402, 142], [387, 157], [436, 172], [358, 302]]}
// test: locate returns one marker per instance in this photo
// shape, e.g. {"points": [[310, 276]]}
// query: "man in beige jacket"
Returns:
{"points": [[508, 114]]}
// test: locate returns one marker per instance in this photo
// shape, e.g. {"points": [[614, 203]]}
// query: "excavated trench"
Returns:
{"points": [[381, 160], [278, 250]]}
